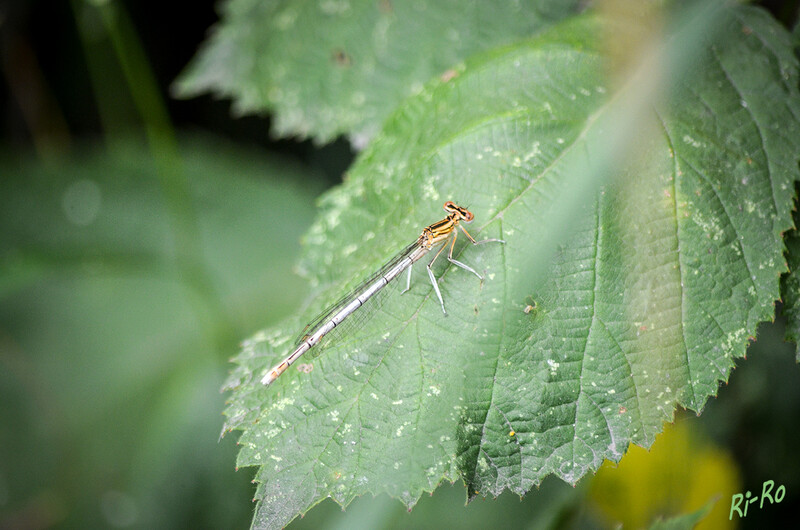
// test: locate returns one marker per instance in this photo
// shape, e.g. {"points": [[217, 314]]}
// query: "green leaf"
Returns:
{"points": [[686, 521], [339, 67], [790, 282], [563, 356], [790, 286]]}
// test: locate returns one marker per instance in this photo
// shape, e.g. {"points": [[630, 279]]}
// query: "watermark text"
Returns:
{"points": [[747, 498]]}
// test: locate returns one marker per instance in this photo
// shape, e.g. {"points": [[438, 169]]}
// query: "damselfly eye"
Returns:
{"points": [[450, 207]]}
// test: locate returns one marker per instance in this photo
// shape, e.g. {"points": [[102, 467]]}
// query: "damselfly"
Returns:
{"points": [[442, 232]]}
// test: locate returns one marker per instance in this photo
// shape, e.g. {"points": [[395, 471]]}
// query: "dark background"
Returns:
{"points": [[42, 52]]}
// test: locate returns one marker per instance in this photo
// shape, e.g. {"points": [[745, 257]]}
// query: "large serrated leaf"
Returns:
{"points": [[339, 67], [647, 300]]}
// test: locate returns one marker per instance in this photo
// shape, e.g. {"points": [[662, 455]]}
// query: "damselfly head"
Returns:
{"points": [[461, 212]]}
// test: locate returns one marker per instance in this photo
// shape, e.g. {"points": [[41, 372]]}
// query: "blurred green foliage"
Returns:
{"points": [[111, 361], [330, 68]]}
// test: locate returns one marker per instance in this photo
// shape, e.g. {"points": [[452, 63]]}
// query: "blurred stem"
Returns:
{"points": [[163, 146], [116, 111], [29, 89]]}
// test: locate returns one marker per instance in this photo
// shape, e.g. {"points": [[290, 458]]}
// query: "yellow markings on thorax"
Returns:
{"points": [[441, 230]]}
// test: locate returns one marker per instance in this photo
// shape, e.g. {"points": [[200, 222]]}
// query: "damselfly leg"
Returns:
{"points": [[454, 261], [451, 259]]}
